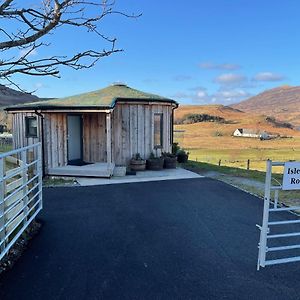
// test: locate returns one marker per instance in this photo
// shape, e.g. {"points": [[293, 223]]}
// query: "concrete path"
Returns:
{"points": [[144, 176], [179, 239]]}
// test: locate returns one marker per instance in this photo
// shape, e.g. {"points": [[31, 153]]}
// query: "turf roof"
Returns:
{"points": [[104, 98]]}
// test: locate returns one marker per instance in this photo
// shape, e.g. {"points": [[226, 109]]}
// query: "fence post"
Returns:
{"points": [[220, 162], [264, 228], [248, 164], [2, 216], [40, 170], [23, 164]]}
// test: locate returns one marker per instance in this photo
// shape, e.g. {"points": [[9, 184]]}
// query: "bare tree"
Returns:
{"points": [[24, 27]]}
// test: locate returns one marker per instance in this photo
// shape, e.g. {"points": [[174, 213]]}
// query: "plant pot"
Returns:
{"points": [[155, 164], [137, 164], [182, 158], [170, 162]]}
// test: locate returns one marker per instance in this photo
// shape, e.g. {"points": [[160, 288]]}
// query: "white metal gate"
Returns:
{"points": [[20, 192], [271, 209]]}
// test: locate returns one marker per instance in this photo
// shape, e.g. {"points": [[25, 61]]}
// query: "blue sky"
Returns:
{"points": [[197, 52]]}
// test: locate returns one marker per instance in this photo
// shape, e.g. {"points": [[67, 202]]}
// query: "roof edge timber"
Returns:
{"points": [[114, 103]]}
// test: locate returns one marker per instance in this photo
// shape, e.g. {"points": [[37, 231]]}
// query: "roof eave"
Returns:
{"points": [[89, 107], [49, 107]]}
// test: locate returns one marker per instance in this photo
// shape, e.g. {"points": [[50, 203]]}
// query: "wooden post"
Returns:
{"points": [[108, 138], [248, 164], [220, 162]]}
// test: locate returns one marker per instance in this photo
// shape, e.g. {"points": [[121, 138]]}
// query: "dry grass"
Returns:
{"points": [[211, 141]]}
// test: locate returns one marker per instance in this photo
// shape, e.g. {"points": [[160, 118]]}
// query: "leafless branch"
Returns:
{"points": [[25, 29]]}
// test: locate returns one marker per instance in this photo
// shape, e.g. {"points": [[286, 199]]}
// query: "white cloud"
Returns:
{"points": [[231, 95], [222, 96], [214, 66], [230, 79], [268, 76], [201, 94]]}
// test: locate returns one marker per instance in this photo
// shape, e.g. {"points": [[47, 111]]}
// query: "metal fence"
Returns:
{"points": [[248, 164], [276, 236], [20, 193]]}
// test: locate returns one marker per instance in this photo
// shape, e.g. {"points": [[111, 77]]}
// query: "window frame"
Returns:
{"points": [[160, 146], [28, 134]]}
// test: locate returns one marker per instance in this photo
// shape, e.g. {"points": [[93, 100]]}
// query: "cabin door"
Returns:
{"points": [[74, 139]]}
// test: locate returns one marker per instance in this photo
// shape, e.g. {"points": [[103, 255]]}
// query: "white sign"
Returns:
{"points": [[291, 176]]}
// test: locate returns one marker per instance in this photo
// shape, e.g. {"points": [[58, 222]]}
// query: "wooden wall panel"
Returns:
{"points": [[55, 146], [133, 129], [94, 137], [141, 124], [55, 140], [19, 134], [126, 143]]}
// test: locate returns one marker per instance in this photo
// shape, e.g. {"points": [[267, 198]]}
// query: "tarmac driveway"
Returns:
{"points": [[180, 239]]}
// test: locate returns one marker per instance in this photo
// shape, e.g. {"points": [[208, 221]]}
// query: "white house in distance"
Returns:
{"points": [[250, 133]]}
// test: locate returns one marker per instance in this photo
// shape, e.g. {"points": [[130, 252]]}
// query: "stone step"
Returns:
{"points": [[92, 170]]}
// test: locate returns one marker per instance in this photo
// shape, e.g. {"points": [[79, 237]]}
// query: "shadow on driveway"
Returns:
{"points": [[181, 239]]}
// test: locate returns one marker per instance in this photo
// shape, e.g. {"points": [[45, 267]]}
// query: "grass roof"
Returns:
{"points": [[104, 98]]}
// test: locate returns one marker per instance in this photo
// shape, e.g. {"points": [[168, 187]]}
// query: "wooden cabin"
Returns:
{"points": [[88, 134]]}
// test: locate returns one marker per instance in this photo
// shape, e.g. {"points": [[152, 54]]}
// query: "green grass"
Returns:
{"points": [[201, 167], [49, 182], [237, 158], [5, 148]]}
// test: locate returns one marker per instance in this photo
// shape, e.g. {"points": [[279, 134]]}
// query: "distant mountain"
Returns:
{"points": [[10, 96], [282, 102]]}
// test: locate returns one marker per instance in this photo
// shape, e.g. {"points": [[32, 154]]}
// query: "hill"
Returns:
{"points": [[283, 103], [212, 141], [10, 96], [209, 135]]}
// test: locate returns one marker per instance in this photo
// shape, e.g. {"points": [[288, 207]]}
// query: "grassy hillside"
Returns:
{"points": [[281, 102], [212, 141]]}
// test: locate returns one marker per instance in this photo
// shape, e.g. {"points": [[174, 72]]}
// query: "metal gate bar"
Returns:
{"points": [[20, 193], [272, 207]]}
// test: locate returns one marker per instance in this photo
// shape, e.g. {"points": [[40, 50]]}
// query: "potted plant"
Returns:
{"points": [[182, 156], [155, 163], [170, 160], [137, 163], [175, 148]]}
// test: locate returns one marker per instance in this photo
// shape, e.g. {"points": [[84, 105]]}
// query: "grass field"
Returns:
{"points": [[213, 142], [5, 148], [235, 152]]}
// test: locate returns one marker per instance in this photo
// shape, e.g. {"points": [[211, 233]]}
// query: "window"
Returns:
{"points": [[31, 126], [158, 130]]}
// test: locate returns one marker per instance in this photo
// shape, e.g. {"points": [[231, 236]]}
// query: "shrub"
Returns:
{"points": [[182, 156], [217, 133], [137, 156], [277, 123], [198, 118], [175, 148]]}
